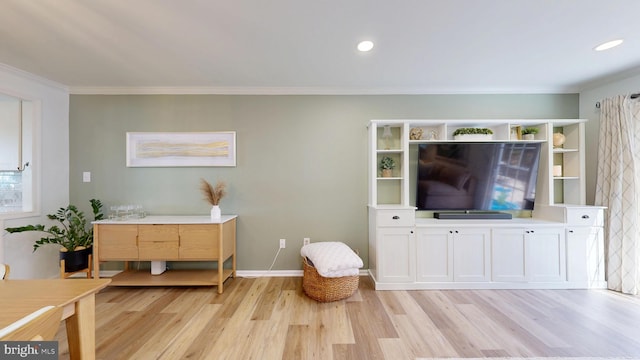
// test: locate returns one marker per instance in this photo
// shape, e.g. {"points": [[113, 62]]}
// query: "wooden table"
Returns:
{"points": [[19, 298]]}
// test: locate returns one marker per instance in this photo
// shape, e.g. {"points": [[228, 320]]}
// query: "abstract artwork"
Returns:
{"points": [[181, 149]]}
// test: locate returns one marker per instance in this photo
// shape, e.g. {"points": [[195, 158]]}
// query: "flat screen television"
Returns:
{"points": [[477, 176]]}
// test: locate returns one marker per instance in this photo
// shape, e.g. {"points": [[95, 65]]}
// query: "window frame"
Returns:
{"points": [[32, 149]]}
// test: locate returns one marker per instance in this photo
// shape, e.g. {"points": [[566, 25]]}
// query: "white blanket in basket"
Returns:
{"points": [[332, 259]]}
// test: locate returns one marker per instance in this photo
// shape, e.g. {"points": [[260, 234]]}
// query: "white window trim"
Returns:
{"points": [[34, 162]]}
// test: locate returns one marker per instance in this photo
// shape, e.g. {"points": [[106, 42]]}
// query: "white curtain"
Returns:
{"points": [[618, 188]]}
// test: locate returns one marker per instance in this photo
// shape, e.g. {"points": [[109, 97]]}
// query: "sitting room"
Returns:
{"points": [[194, 149]]}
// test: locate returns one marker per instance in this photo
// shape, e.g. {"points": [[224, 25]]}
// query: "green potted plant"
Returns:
{"points": [[71, 232], [387, 165], [529, 133], [472, 134]]}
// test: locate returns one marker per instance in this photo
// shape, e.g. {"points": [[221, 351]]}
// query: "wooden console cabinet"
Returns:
{"points": [[167, 238]]}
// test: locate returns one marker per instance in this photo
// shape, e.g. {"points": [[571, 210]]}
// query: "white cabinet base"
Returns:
{"points": [[479, 254], [490, 285]]}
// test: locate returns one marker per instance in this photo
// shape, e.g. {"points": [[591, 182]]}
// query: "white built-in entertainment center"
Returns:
{"points": [[557, 245]]}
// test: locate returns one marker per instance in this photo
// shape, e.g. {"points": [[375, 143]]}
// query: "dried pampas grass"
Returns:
{"points": [[213, 194]]}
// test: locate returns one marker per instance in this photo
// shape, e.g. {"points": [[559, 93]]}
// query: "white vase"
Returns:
{"points": [[215, 213]]}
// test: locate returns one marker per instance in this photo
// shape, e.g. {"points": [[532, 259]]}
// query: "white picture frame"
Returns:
{"points": [[181, 149]]}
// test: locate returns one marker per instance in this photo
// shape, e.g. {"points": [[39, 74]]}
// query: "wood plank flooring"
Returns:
{"points": [[271, 318]]}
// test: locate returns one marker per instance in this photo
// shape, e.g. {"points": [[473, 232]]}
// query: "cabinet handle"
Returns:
{"points": [[585, 216], [396, 217], [412, 231], [450, 231], [570, 231], [456, 231]]}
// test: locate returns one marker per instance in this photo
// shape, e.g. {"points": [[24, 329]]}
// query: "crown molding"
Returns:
{"points": [[606, 80], [33, 77], [204, 90]]}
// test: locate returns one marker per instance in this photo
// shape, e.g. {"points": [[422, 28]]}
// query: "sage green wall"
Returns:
{"points": [[301, 159]]}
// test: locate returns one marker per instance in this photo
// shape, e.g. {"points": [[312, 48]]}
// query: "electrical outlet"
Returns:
{"points": [[306, 241], [283, 243]]}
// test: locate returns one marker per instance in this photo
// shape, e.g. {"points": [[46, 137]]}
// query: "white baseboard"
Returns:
{"points": [[279, 273], [239, 273], [267, 273]]}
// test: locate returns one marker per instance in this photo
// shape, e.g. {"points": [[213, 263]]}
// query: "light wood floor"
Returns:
{"points": [[271, 318]]}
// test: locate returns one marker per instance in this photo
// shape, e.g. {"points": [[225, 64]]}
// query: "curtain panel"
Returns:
{"points": [[618, 188]]}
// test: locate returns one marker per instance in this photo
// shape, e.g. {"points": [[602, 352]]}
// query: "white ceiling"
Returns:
{"points": [[304, 46]]}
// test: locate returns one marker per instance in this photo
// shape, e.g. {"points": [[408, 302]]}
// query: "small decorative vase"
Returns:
{"points": [[387, 137], [558, 139], [215, 213], [387, 172]]}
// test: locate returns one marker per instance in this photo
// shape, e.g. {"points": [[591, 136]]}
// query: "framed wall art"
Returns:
{"points": [[181, 149]]}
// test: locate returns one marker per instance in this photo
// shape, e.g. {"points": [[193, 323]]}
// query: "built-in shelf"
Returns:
{"points": [[405, 134], [552, 247]]}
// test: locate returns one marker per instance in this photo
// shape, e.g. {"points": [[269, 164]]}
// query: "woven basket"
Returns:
{"points": [[326, 289]]}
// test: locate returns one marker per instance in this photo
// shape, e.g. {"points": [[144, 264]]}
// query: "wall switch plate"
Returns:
{"points": [[86, 176], [306, 241], [283, 243]]}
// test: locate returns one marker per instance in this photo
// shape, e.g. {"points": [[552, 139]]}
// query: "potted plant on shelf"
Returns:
{"points": [[72, 233], [386, 165], [529, 133], [472, 134]]}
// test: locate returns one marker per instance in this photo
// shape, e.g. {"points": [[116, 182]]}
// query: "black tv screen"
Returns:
{"points": [[477, 176]]}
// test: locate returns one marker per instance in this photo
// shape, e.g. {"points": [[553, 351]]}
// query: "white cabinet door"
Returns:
{"points": [[434, 255], [396, 255], [508, 255], [585, 255], [471, 255], [595, 258], [577, 238], [546, 254]]}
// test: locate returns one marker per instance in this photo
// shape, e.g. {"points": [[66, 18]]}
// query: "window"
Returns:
{"points": [[17, 124]]}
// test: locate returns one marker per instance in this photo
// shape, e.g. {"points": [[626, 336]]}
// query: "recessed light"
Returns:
{"points": [[608, 45], [365, 45]]}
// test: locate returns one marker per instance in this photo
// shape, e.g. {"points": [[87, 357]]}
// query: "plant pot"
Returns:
{"points": [[528, 137], [387, 172], [75, 260], [473, 137]]}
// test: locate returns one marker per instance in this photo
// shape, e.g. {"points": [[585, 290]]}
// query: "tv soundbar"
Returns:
{"points": [[462, 215]]}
